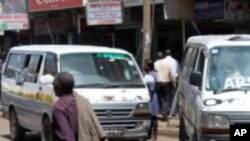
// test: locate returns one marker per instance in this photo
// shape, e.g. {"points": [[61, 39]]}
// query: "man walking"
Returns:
{"points": [[73, 117], [174, 66], [165, 77], [64, 111]]}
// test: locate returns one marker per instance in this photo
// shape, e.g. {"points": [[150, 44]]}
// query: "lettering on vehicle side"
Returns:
{"points": [[236, 82]]}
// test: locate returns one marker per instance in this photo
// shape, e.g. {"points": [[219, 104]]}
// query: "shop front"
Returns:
{"points": [[222, 16], [75, 24]]}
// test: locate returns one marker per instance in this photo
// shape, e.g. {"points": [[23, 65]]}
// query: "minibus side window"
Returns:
{"points": [[50, 66], [33, 66], [201, 62], [186, 62], [15, 65], [192, 62]]}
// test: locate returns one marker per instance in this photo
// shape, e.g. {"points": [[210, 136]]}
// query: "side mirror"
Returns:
{"points": [[148, 79], [196, 79], [20, 80], [22, 77], [46, 79]]}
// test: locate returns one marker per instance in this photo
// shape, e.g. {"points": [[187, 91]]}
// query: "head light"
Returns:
{"points": [[141, 109], [215, 121]]}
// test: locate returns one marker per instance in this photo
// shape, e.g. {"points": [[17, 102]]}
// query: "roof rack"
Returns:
{"points": [[239, 38]]}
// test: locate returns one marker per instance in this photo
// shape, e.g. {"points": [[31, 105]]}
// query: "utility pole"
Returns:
{"points": [[146, 48]]}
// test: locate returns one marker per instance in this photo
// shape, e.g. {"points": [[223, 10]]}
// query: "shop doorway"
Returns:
{"points": [[170, 37]]}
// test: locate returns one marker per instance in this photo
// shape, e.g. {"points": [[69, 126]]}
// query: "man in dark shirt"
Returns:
{"points": [[65, 111]]}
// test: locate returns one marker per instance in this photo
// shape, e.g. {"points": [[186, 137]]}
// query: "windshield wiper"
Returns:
{"points": [[102, 85], [94, 85], [131, 85], [218, 91]]}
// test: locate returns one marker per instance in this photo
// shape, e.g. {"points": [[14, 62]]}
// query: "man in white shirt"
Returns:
{"points": [[165, 77], [174, 66]]}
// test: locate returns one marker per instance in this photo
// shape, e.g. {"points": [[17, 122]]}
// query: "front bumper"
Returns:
{"points": [[140, 131], [215, 137]]}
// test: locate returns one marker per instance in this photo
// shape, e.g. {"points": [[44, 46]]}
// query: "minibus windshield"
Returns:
{"points": [[228, 68], [102, 70]]}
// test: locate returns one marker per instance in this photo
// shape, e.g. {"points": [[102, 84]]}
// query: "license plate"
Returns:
{"points": [[114, 132]]}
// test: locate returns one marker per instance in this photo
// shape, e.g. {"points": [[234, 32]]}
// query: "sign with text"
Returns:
{"points": [[14, 6], [14, 15], [14, 21], [46, 5], [237, 10], [239, 132], [209, 9], [104, 13]]}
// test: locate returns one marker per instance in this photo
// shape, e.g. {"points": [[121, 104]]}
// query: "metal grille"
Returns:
{"points": [[101, 113]]}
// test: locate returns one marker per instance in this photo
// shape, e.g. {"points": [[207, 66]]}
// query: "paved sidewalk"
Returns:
{"points": [[169, 129]]}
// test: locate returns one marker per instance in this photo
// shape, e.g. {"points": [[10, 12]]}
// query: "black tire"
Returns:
{"points": [[194, 137], [182, 131], [16, 131], [47, 130]]}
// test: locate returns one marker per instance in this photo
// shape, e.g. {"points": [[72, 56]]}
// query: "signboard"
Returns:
{"points": [[14, 6], [209, 9], [14, 15], [14, 21], [104, 13], [133, 3], [237, 10], [178, 9], [47, 5]]}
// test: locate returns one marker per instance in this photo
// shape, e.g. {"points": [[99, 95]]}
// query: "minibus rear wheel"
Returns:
{"points": [[17, 132], [47, 130]]}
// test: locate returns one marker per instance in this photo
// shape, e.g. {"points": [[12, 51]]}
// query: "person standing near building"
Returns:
{"points": [[174, 66], [165, 78], [154, 102], [157, 66]]}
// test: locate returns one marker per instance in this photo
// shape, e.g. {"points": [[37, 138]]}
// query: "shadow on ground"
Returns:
{"points": [[28, 137]]}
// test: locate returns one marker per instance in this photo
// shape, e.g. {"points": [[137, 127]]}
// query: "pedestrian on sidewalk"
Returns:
{"points": [[165, 77], [154, 102], [174, 66], [73, 117]]}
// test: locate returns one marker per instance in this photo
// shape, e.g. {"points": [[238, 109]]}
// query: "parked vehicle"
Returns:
{"points": [[214, 86], [109, 78]]}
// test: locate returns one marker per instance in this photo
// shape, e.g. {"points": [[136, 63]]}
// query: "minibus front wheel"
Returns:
{"points": [[182, 130], [17, 132], [47, 130]]}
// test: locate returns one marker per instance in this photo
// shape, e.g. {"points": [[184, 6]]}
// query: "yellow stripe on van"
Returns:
{"points": [[40, 97]]}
